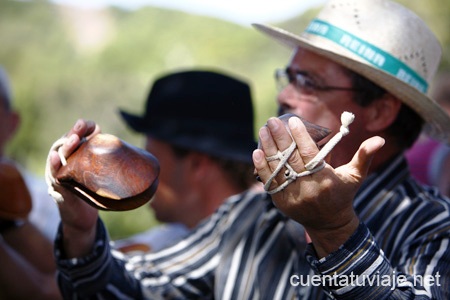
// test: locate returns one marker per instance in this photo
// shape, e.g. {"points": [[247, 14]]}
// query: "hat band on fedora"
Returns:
{"points": [[368, 52]]}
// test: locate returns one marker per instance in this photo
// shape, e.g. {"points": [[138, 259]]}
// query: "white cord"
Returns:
{"points": [[315, 165], [346, 119], [48, 174]]}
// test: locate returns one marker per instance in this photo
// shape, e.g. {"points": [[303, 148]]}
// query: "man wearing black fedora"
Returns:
{"points": [[350, 225], [199, 124]]}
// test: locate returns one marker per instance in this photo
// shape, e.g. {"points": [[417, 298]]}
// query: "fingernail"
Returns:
{"points": [[264, 134], [257, 156], [77, 125], [272, 123], [294, 122]]}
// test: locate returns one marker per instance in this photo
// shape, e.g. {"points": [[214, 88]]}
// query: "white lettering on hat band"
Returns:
{"points": [[370, 53]]}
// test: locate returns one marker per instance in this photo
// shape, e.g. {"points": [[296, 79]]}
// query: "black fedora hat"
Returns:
{"points": [[205, 111]]}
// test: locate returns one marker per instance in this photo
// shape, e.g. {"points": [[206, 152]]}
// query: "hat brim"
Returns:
{"points": [[438, 121], [211, 146], [136, 123]]}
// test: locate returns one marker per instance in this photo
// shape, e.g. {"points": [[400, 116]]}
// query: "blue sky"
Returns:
{"points": [[242, 12]]}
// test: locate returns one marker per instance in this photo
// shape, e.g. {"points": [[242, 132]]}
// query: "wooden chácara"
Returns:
{"points": [[110, 174]]}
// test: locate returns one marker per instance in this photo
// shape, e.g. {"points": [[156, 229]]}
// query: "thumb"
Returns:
{"points": [[362, 159]]}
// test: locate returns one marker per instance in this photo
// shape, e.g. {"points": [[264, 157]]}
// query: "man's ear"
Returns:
{"points": [[381, 113], [198, 164]]}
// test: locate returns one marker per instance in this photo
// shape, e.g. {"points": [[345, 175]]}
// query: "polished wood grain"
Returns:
{"points": [[110, 174]]}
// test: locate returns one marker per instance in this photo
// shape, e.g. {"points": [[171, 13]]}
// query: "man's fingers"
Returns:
{"points": [[274, 137], [70, 145], [268, 148], [84, 128], [81, 129], [261, 166], [67, 148], [306, 146], [266, 141], [362, 159], [280, 135], [55, 162]]}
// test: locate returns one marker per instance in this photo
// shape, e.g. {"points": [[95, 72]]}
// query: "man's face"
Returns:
{"points": [[324, 107], [172, 199]]}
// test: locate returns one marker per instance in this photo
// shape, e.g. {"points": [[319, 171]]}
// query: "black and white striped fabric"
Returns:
{"points": [[250, 250]]}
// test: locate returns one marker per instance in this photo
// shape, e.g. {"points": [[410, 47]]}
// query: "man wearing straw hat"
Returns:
{"points": [[350, 225]]}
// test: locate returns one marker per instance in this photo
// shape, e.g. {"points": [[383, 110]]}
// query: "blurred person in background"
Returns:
{"points": [[44, 216], [199, 125], [429, 159], [28, 269]]}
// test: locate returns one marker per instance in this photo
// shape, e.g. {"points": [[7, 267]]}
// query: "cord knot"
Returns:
{"points": [[315, 165]]}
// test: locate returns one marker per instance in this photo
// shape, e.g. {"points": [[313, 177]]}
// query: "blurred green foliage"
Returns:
{"points": [[68, 63]]}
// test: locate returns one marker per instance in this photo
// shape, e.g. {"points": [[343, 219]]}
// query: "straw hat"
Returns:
{"points": [[383, 41]]}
